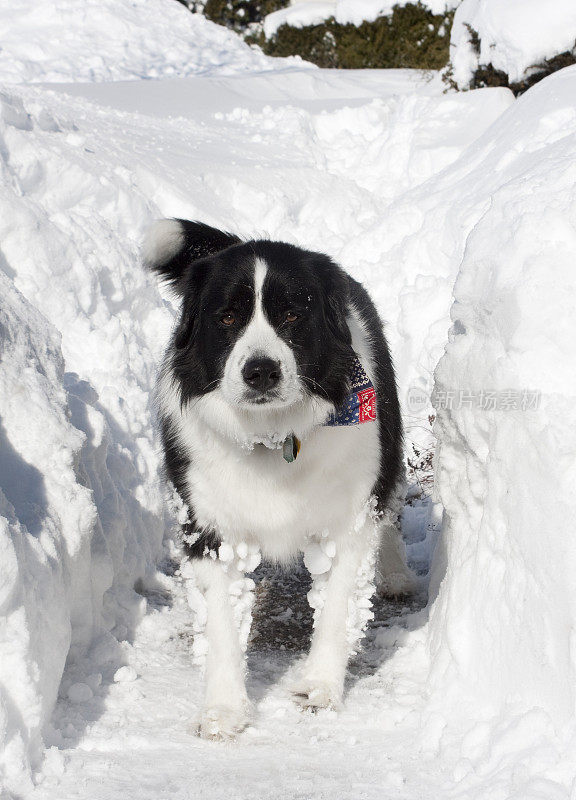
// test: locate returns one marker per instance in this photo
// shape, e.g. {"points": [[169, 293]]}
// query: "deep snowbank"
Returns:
{"points": [[80, 496], [109, 40], [502, 626], [514, 35], [46, 518]]}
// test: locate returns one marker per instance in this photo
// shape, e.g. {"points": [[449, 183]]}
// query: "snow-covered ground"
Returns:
{"points": [[423, 196], [110, 40]]}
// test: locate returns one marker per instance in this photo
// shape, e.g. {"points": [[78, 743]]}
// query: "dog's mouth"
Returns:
{"points": [[252, 398]]}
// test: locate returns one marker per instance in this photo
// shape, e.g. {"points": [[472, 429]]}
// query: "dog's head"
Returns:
{"points": [[262, 323]]}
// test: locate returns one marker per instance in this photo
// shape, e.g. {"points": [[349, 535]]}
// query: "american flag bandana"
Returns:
{"points": [[360, 405]]}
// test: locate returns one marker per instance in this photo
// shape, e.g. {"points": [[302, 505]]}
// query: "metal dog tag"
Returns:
{"points": [[290, 448]]}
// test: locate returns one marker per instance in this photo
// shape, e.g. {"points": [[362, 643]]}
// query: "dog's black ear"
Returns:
{"points": [[184, 334], [172, 245], [337, 306]]}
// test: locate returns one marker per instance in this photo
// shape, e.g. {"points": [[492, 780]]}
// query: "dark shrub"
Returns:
{"points": [[238, 14], [412, 36]]}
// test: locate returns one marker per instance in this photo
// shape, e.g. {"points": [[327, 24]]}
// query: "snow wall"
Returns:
{"points": [[80, 496], [501, 632]]}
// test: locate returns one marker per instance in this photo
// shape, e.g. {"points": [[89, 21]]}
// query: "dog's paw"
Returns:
{"points": [[223, 723], [316, 694], [398, 584]]}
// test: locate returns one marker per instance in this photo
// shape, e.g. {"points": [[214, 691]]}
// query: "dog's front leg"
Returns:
{"points": [[340, 596], [228, 599]]}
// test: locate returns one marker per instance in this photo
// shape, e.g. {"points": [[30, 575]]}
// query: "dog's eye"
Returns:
{"points": [[228, 319], [290, 317]]}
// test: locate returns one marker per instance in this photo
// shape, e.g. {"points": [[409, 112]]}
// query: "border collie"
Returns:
{"points": [[281, 429]]}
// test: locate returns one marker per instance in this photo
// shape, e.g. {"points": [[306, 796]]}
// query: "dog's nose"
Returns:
{"points": [[261, 373]]}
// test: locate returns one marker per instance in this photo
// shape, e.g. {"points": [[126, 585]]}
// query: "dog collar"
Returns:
{"points": [[359, 407]]}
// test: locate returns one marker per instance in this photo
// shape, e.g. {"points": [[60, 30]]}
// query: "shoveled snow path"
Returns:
{"points": [[136, 738]]}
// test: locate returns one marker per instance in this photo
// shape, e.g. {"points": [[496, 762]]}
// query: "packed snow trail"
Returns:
{"points": [[137, 736]]}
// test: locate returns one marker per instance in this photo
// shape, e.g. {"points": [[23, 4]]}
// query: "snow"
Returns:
{"points": [[505, 474], [124, 675], [514, 36], [434, 201], [45, 515], [80, 693], [312, 89], [317, 561], [108, 40], [301, 13], [299, 16], [81, 494]]}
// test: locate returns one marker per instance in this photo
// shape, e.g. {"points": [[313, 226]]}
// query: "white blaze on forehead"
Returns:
{"points": [[260, 270], [260, 337], [260, 340]]}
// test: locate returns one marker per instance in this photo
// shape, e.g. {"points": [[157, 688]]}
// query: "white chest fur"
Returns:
{"points": [[254, 495]]}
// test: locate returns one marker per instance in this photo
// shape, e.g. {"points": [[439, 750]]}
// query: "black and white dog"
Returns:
{"points": [[282, 434]]}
